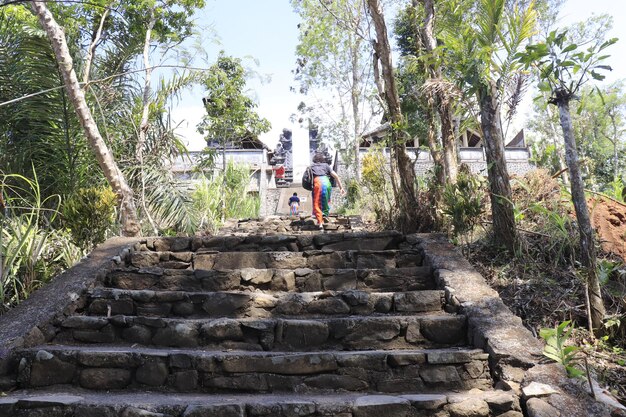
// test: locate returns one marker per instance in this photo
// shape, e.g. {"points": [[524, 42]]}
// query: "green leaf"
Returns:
{"points": [[569, 48]]}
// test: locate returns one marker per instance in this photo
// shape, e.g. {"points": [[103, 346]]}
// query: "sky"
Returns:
{"points": [[265, 32]]}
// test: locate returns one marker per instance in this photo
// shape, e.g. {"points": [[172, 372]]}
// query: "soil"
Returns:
{"points": [[609, 220]]}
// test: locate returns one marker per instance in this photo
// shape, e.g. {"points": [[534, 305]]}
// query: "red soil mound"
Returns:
{"points": [[608, 217]]}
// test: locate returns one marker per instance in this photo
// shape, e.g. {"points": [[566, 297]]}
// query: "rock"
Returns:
{"points": [[511, 414], [185, 381], [340, 280], [222, 329], [104, 335], [299, 334], [537, 389], [367, 333], [283, 280], [336, 382], [138, 412], [417, 301], [440, 375], [538, 408], [355, 298], [137, 334], [328, 306], [180, 335], [104, 359], [94, 411], [85, 322], [427, 401], [472, 407], [294, 364], [257, 276], [104, 378], [144, 259], [50, 371], [224, 304], [215, 410], [381, 405], [152, 373]]}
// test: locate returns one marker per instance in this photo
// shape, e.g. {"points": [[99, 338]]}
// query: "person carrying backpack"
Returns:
{"points": [[322, 172], [294, 204]]}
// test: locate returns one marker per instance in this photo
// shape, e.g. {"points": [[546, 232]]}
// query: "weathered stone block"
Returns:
{"points": [[417, 301], [300, 334], [49, 370], [224, 304], [336, 382], [104, 378], [107, 359], [340, 280], [215, 410], [152, 373], [222, 329], [295, 364], [283, 280], [104, 335], [85, 322], [472, 407], [185, 381], [427, 401], [180, 334], [328, 306], [138, 412], [144, 259], [440, 375], [257, 276], [137, 334], [367, 333], [381, 405]]}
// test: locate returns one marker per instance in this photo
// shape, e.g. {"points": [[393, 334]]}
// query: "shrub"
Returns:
{"points": [[89, 214], [463, 204]]}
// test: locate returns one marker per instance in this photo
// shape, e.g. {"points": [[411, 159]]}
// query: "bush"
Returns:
{"points": [[89, 214], [463, 204]]}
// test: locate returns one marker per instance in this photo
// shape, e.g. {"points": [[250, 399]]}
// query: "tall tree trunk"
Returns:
{"points": [[128, 212], [587, 246], [443, 104], [435, 153], [499, 185], [406, 197]]}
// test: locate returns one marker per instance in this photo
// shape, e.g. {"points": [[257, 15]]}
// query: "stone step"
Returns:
{"points": [[299, 279], [276, 242], [313, 259], [347, 333], [82, 403], [116, 368], [108, 301]]}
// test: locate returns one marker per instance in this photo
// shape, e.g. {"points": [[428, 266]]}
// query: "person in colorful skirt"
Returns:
{"points": [[322, 187], [294, 204]]}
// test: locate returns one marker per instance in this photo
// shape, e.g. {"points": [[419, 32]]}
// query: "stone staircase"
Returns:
{"points": [[250, 324]]}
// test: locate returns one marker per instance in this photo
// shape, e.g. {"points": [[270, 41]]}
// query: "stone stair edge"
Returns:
{"points": [[249, 405]]}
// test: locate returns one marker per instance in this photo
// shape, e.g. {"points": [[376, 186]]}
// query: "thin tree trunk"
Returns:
{"points": [[128, 213], [355, 108], [406, 198], [557, 149], [499, 185], [587, 245], [145, 117], [435, 153], [92, 47], [444, 107]]}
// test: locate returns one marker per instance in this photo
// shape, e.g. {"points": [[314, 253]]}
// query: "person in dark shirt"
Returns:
{"points": [[294, 204], [322, 187]]}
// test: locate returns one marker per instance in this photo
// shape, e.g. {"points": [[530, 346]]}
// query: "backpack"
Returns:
{"points": [[307, 179]]}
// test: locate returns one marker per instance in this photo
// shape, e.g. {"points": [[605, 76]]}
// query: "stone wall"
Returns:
{"points": [[270, 205], [517, 167]]}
